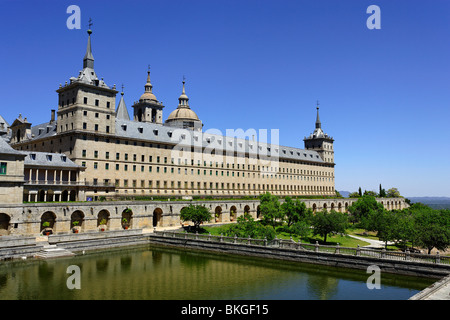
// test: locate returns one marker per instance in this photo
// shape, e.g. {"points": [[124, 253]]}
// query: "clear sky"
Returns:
{"points": [[260, 64]]}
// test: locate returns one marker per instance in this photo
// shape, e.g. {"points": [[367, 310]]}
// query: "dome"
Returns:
{"points": [[148, 96], [182, 114]]}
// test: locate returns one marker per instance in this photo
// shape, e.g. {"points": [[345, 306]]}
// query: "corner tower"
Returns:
{"points": [[86, 103], [320, 141]]}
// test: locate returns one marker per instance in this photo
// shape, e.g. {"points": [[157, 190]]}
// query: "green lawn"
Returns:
{"points": [[332, 240]]}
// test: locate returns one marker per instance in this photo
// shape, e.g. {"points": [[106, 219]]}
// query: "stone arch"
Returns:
{"points": [[127, 218], [103, 219], [157, 217], [258, 212], [314, 207], [48, 220], [346, 206], [339, 206], [325, 206], [76, 221], [233, 213], [332, 206], [247, 209], [4, 223], [218, 213]]}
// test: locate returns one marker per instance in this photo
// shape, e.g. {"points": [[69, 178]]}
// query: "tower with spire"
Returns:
{"points": [[320, 141], [86, 103], [183, 116], [148, 108]]}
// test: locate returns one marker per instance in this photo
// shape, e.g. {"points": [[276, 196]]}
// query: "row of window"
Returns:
{"points": [[192, 185], [238, 166], [85, 101]]}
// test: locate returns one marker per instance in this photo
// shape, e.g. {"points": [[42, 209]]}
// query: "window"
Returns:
{"points": [[96, 102], [3, 166], [83, 154], [84, 113], [85, 100], [96, 127], [108, 104], [84, 125], [95, 165]]}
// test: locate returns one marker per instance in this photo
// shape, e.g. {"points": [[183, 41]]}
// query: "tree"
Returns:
{"points": [[354, 195], [393, 193], [363, 207], [326, 222], [196, 213], [382, 193], [432, 227], [270, 209], [360, 192], [370, 193], [295, 210], [383, 222], [246, 227]]}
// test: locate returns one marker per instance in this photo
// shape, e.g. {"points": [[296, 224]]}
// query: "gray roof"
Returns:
{"points": [[43, 130], [221, 144], [5, 148], [48, 159]]}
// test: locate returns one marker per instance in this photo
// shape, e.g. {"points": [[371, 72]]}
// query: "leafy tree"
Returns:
{"points": [[270, 209], [301, 228], [383, 222], [370, 193], [360, 192], [354, 195], [363, 207], [295, 210], [195, 213], [393, 193], [432, 227], [246, 227], [326, 222]]}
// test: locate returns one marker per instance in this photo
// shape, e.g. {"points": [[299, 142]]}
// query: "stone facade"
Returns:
{"points": [[29, 219]]}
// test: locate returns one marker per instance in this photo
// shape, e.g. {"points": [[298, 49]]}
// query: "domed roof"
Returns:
{"points": [[148, 96], [182, 114]]}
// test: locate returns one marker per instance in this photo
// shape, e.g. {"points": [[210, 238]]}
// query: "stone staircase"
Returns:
{"points": [[52, 251]]}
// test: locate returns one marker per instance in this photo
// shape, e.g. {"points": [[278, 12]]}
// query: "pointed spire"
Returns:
{"points": [[122, 112], [148, 85], [318, 124], [148, 94], [183, 99], [88, 61]]}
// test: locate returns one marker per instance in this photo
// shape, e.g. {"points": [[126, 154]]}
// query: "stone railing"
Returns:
{"points": [[290, 244]]}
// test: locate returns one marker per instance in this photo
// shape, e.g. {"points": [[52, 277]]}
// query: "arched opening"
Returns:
{"points": [[4, 224], [314, 207], [247, 209], [258, 212], [218, 214], [340, 207], [127, 216], [103, 220], [73, 195], [50, 196], [325, 206], [157, 216], [65, 195], [48, 223], [139, 115], [76, 221], [233, 213], [332, 206]]}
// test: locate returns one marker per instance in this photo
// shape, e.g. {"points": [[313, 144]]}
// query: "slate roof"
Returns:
{"points": [[47, 159]]}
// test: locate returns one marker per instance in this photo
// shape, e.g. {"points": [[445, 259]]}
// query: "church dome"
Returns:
{"points": [[182, 114], [148, 96]]}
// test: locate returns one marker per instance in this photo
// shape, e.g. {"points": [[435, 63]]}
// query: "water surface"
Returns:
{"points": [[155, 273]]}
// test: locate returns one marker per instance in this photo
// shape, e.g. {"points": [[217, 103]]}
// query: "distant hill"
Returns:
{"points": [[433, 202], [344, 193]]}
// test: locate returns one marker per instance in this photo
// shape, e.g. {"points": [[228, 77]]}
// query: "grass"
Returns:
{"points": [[332, 240]]}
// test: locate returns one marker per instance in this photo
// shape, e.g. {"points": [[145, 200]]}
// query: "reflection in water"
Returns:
{"points": [[162, 273]]}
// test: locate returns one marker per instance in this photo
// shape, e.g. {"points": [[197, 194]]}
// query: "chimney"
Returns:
{"points": [[52, 119]]}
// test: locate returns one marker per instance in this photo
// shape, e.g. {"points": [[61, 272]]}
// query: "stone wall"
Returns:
{"points": [[27, 219]]}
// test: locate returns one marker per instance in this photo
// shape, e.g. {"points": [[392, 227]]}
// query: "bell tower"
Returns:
{"points": [[320, 141], [86, 103], [148, 108]]}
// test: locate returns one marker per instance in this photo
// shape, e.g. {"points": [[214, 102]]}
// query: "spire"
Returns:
{"points": [[148, 94], [88, 61], [183, 99], [122, 112], [318, 124]]}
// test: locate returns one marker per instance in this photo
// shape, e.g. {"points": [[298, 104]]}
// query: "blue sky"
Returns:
{"points": [[384, 94]]}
